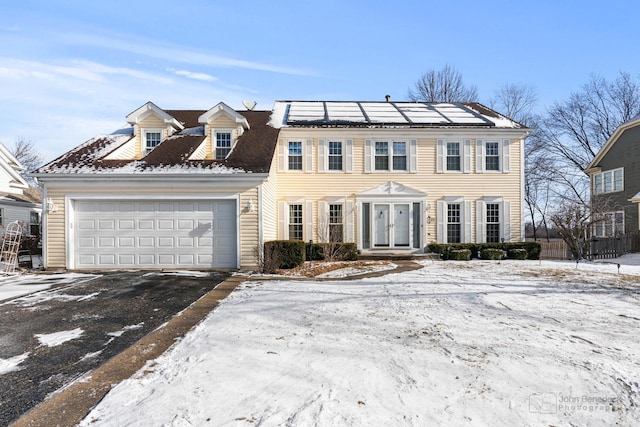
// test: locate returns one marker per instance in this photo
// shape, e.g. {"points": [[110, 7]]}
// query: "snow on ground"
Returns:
{"points": [[57, 338], [18, 285], [454, 343], [13, 363]]}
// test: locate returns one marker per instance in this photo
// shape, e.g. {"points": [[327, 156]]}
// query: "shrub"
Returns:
{"points": [[517, 253], [493, 254], [290, 253], [341, 251], [532, 248], [460, 254]]}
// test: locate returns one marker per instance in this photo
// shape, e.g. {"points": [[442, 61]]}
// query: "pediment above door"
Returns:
{"points": [[391, 189]]}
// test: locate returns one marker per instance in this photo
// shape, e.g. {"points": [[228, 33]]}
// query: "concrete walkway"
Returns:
{"points": [[71, 405]]}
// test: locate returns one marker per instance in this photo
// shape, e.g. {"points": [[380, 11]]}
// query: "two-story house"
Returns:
{"points": [[615, 181], [398, 175], [204, 189]]}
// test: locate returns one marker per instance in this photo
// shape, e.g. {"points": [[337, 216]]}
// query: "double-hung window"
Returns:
{"points": [[390, 156], [382, 156], [453, 156], [493, 222], [223, 144], [152, 139], [335, 156], [609, 181], [336, 229], [454, 223], [399, 156], [295, 155], [295, 222], [492, 156]]}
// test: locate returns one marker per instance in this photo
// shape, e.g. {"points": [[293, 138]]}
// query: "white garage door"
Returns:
{"points": [[155, 234]]}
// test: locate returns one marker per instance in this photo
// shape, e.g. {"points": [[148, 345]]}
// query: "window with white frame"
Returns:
{"points": [[152, 139], [454, 223], [493, 222], [335, 156], [454, 162], [382, 156], [492, 156], [390, 156], [609, 224], [609, 181], [295, 155], [336, 226], [223, 144], [399, 156], [295, 222]]}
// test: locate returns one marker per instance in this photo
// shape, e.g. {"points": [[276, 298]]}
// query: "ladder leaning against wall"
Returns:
{"points": [[11, 246]]}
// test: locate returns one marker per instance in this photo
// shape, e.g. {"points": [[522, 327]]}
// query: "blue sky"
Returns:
{"points": [[72, 69]]}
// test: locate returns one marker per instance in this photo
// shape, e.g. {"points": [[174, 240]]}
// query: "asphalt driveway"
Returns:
{"points": [[62, 333]]}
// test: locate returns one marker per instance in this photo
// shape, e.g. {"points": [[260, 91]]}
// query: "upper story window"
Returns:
{"points": [[453, 156], [152, 139], [394, 154], [223, 144], [609, 181], [492, 156], [391, 156], [295, 155], [335, 155]]}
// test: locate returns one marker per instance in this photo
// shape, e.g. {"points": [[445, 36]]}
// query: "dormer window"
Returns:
{"points": [[151, 139], [223, 143]]}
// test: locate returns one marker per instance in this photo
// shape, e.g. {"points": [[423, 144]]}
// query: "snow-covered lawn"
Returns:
{"points": [[455, 343]]}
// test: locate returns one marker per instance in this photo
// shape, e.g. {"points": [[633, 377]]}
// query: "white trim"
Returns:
{"points": [[143, 139], [222, 108], [307, 155], [214, 140]]}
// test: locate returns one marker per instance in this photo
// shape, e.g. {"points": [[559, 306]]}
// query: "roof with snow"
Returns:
{"points": [[387, 114], [252, 153]]}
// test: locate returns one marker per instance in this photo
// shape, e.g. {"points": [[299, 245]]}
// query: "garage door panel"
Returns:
{"points": [[162, 234]]}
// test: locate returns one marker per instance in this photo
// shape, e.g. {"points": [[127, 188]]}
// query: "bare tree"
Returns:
{"points": [[516, 101], [443, 85], [25, 152]]}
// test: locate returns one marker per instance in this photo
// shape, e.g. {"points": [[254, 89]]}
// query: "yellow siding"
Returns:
{"points": [[249, 230], [472, 186], [56, 234], [151, 122], [269, 207]]}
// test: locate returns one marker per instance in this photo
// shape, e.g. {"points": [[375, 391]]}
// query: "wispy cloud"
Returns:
{"points": [[172, 53], [195, 76]]}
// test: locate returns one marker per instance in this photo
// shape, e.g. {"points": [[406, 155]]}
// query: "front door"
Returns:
{"points": [[401, 225], [381, 225]]}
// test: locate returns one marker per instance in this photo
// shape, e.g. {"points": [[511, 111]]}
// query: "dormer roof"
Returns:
{"points": [[150, 108], [220, 109]]}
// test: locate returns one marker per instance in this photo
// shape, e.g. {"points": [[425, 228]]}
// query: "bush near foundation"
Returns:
{"points": [[493, 254], [517, 253], [532, 249], [289, 253], [460, 255]]}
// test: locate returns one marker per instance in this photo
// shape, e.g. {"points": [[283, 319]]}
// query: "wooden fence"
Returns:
{"points": [[595, 248], [556, 249]]}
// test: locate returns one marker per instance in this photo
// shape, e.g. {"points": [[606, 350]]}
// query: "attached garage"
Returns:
{"points": [[194, 234]]}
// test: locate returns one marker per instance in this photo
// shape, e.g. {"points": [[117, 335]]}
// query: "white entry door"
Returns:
{"points": [[155, 234], [401, 225], [381, 225]]}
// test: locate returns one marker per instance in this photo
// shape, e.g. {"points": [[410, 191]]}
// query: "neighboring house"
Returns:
{"points": [[18, 201], [205, 189], [615, 181]]}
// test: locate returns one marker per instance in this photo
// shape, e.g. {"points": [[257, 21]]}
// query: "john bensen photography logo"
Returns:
{"points": [[551, 403]]}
